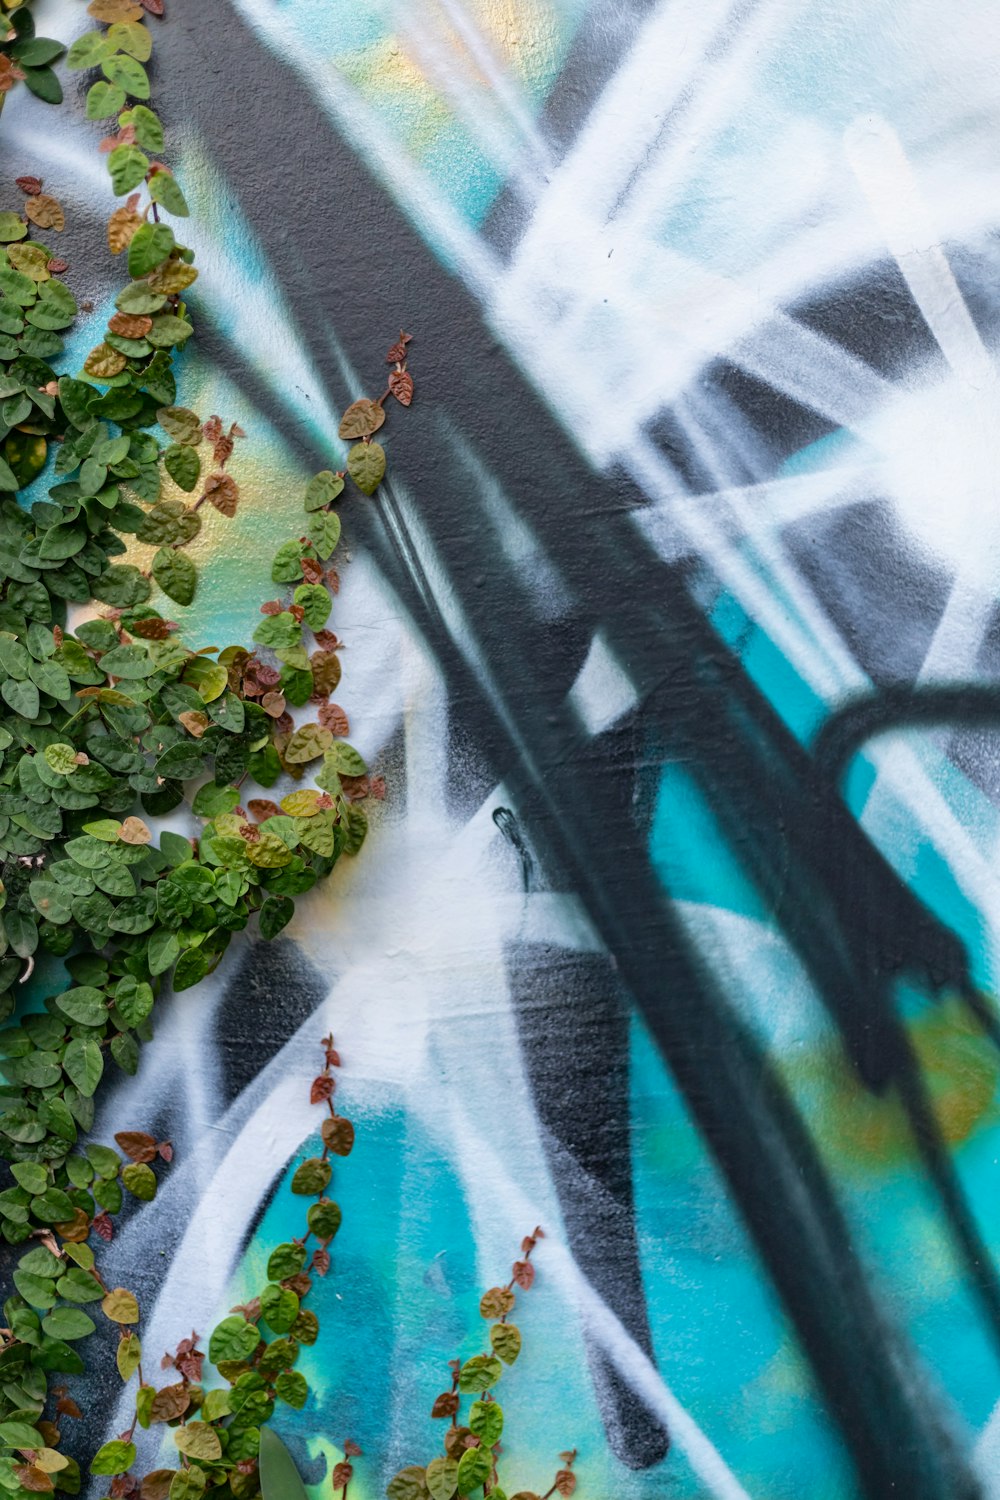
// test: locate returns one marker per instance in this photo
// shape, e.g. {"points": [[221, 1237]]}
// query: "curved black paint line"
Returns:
{"points": [[734, 1096], [904, 705]]}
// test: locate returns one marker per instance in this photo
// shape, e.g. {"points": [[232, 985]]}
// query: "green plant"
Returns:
{"points": [[25, 56], [118, 720]]}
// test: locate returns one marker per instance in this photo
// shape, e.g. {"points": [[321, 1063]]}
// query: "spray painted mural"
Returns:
{"points": [[675, 635]]}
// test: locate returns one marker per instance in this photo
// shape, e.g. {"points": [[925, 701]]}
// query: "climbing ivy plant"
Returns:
{"points": [[112, 719]]}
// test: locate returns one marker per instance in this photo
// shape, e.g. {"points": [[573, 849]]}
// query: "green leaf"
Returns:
{"points": [[506, 1341], [279, 1307], [181, 424], [79, 1286], [147, 127], [183, 465], [175, 573], [311, 1177], [366, 466], [163, 951], [479, 1373], [150, 245], [233, 1339], [442, 1478], [324, 1219], [104, 100], [128, 1355], [344, 759], [68, 1323], [473, 1469], [88, 51], [83, 1064], [128, 73], [12, 227], [139, 298], [287, 1260], [291, 1387], [323, 489], [275, 914], [44, 84], [140, 1180], [36, 51], [409, 1484], [315, 602], [128, 166], [86, 1005], [115, 1457], [286, 566], [165, 190], [486, 1421], [324, 532], [133, 38], [279, 1478], [167, 329], [134, 998], [20, 1435]]}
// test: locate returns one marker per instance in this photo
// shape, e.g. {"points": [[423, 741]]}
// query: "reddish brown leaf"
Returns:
{"points": [[155, 7], [271, 607], [312, 570], [524, 1274], [50, 1432], [320, 1262], [67, 1407], [130, 325], [222, 451], [222, 491], [77, 1229], [30, 185], [153, 630], [137, 1145], [273, 704], [377, 787], [351, 1449], [446, 1404], [338, 1135], [32, 1478], [327, 641], [341, 1476], [263, 808], [156, 1484], [565, 1482], [355, 788], [322, 1088], [398, 351], [170, 1402], [246, 1465], [331, 716], [57, 266], [104, 1227], [190, 1365], [401, 386], [333, 580], [165, 1150], [300, 1284]]}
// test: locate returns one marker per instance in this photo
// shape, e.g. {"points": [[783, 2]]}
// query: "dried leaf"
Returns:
{"points": [[120, 1306], [45, 211], [524, 1274], [122, 225], [33, 1478], [326, 672], [398, 351], [338, 1135], [361, 419], [130, 325], [115, 10], [194, 722], [134, 831], [401, 386], [222, 491], [136, 1144], [322, 1088], [273, 704], [565, 1482], [333, 717], [263, 808], [170, 1402]]}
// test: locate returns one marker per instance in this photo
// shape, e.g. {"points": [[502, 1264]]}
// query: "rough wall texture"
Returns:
{"points": [[675, 635]]}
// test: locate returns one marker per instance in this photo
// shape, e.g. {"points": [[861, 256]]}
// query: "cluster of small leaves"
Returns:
{"points": [[471, 1450], [25, 57], [217, 1430], [118, 720]]}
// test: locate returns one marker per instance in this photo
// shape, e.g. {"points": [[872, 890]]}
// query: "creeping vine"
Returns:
{"points": [[112, 719]]}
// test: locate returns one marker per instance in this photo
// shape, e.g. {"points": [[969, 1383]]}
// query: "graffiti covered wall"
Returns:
{"points": [[675, 635]]}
